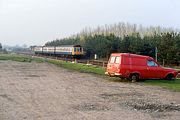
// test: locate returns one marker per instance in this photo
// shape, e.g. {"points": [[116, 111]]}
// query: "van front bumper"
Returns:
{"points": [[117, 74], [114, 74], [106, 73]]}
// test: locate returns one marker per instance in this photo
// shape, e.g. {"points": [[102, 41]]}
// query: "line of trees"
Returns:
{"points": [[139, 40]]}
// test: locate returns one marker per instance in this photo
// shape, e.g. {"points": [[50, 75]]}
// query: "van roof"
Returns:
{"points": [[129, 54]]}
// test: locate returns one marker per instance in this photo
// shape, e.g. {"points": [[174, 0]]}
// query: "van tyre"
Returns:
{"points": [[110, 75], [134, 77], [169, 77]]}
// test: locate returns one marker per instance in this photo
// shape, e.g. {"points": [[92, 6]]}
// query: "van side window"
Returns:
{"points": [[151, 63], [112, 59], [117, 60]]}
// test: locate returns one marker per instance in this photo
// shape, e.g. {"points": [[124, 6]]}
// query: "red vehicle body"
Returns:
{"points": [[136, 67]]}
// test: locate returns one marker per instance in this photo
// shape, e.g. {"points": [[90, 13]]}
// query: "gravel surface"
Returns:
{"points": [[41, 91]]}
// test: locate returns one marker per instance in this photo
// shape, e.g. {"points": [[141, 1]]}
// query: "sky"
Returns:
{"points": [[35, 22]]}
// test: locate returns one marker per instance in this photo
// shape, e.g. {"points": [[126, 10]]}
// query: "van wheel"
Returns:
{"points": [[169, 77], [134, 77], [110, 75]]}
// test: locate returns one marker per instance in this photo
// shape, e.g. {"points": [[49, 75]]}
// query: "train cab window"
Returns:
{"points": [[77, 49]]}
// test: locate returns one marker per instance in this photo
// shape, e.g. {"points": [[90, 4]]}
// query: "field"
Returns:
{"points": [[43, 91]]}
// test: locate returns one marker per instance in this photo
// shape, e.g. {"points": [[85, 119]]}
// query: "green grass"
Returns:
{"points": [[170, 84], [79, 67], [14, 57], [173, 84], [19, 58]]}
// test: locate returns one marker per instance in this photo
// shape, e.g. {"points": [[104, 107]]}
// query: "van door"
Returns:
{"points": [[154, 71], [117, 64], [110, 66]]}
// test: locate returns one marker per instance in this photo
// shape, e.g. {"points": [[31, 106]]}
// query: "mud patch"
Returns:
{"points": [[91, 107], [153, 107], [6, 97], [32, 76], [12, 84]]}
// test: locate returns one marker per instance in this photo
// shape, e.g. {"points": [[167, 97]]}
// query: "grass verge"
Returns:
{"points": [[19, 58], [170, 84], [79, 67]]}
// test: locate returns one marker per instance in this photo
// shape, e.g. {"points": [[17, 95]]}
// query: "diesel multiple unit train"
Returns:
{"points": [[65, 50]]}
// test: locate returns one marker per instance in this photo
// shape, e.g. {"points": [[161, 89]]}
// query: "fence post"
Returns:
{"points": [[163, 62], [87, 62]]}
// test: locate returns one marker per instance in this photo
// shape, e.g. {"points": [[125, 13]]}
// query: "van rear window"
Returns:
{"points": [[117, 60], [112, 59]]}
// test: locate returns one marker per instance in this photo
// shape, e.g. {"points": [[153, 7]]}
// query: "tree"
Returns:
{"points": [[0, 47]]}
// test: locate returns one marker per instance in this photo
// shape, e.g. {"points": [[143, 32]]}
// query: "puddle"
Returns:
{"points": [[32, 76]]}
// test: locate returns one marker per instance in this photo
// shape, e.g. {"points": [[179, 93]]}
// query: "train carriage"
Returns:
{"points": [[64, 50], [38, 50], [48, 50]]}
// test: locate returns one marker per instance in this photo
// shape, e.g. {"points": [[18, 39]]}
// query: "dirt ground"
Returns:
{"points": [[41, 91]]}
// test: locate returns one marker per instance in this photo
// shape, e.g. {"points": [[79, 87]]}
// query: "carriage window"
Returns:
{"points": [[74, 49], [151, 63]]}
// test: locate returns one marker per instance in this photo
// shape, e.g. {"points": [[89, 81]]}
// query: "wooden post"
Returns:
{"points": [[163, 62], [87, 62]]}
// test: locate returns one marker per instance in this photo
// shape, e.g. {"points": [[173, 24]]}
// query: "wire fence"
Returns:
{"points": [[83, 61]]}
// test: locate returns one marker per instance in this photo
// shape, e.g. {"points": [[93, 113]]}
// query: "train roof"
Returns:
{"points": [[69, 46], [65, 46], [62, 46]]}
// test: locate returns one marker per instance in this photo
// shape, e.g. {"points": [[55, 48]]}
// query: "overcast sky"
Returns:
{"points": [[34, 22]]}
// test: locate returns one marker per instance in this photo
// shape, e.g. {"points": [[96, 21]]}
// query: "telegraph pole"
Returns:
{"points": [[156, 51]]}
